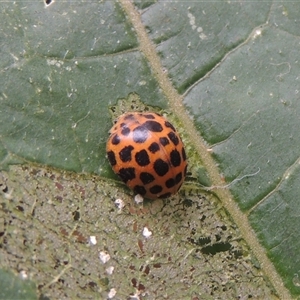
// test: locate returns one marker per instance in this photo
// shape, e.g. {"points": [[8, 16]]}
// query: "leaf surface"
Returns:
{"points": [[234, 65]]}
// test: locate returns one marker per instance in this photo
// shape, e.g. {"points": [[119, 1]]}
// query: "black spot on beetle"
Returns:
{"points": [[125, 130], [170, 183], [161, 167], [174, 138], [178, 178], [142, 158], [127, 174], [148, 116], [140, 190], [156, 189], [169, 125], [146, 177], [154, 147], [153, 126], [129, 117], [164, 141], [115, 140], [175, 158], [111, 157], [183, 154], [125, 153]]}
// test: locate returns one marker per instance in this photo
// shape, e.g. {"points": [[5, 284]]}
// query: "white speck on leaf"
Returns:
{"points": [[192, 20], [119, 203], [111, 293], [138, 199], [146, 232], [23, 274], [256, 33], [110, 270], [142, 82], [202, 36], [104, 256], [93, 240], [199, 29]]}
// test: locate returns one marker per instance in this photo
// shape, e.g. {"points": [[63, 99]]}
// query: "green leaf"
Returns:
{"points": [[248, 112], [193, 38], [77, 243], [227, 71], [12, 287], [55, 96]]}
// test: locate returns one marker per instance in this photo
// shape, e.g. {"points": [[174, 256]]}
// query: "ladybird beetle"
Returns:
{"points": [[146, 152]]}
